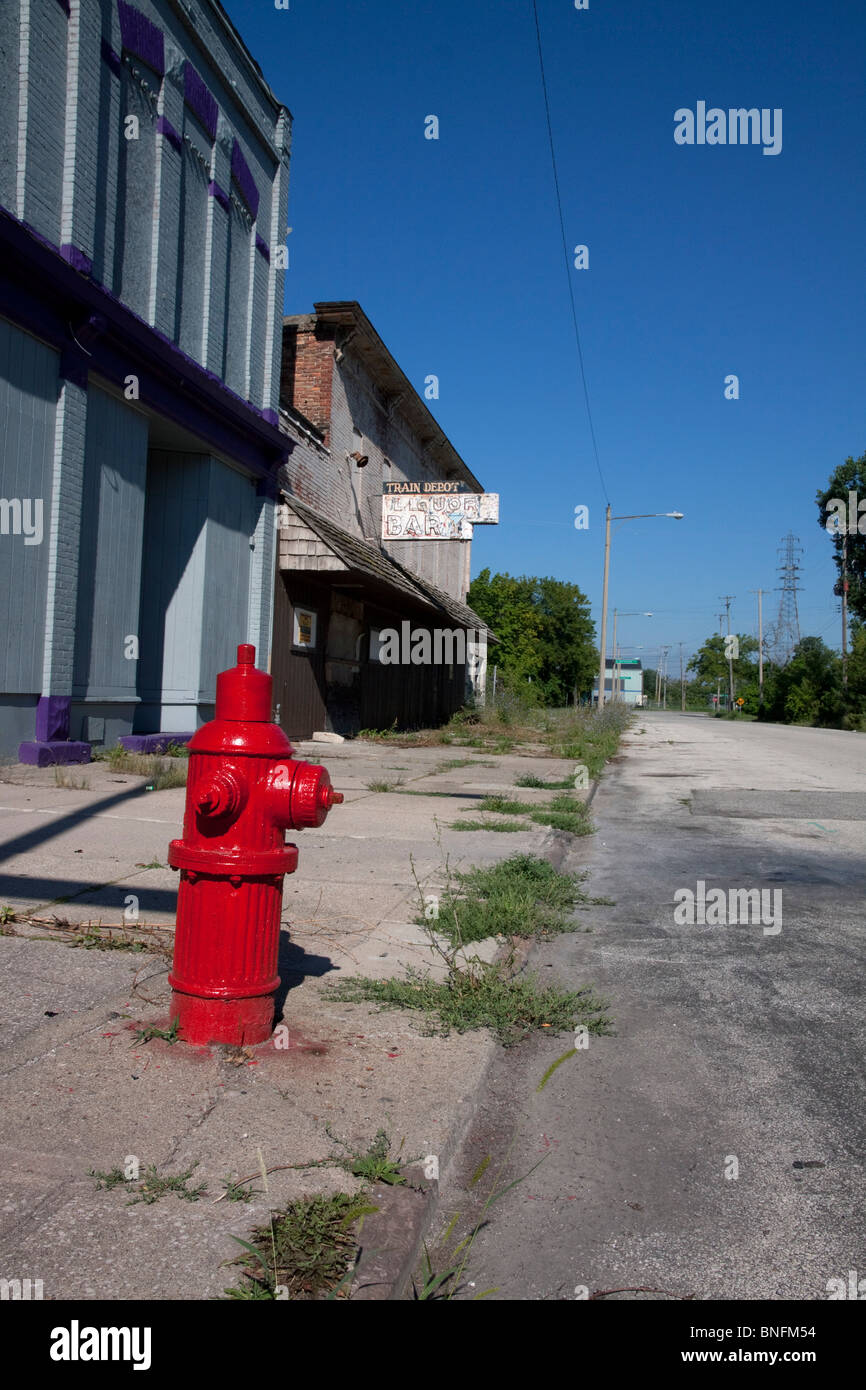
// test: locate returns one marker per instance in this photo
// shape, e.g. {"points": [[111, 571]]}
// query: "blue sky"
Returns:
{"points": [[704, 261]]}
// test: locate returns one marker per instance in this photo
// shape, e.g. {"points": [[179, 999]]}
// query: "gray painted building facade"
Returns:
{"points": [[143, 202]]}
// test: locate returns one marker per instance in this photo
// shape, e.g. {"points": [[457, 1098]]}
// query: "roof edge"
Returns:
{"points": [[348, 313]]}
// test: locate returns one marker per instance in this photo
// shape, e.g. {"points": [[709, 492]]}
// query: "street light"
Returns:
{"points": [[636, 516], [614, 685]]}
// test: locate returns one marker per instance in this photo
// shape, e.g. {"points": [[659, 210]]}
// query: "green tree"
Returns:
{"points": [[849, 477], [857, 667], [566, 640], [808, 689], [710, 665], [506, 605], [544, 630]]}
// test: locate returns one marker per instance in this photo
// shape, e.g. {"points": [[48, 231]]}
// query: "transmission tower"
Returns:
{"points": [[786, 630]]}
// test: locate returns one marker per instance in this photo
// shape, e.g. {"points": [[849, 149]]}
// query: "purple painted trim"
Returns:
{"points": [[111, 58], [262, 248], [151, 743], [272, 416], [140, 36], [199, 99], [243, 177], [51, 754], [77, 259], [39, 290], [220, 194], [64, 5], [165, 127], [52, 717]]}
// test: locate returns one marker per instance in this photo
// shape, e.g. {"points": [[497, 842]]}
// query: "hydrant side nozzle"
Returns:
{"points": [[223, 795]]}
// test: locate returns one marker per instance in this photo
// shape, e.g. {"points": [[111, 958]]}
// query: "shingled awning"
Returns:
{"points": [[311, 543]]}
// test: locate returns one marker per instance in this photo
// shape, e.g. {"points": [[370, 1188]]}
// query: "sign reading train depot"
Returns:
{"points": [[435, 511]]}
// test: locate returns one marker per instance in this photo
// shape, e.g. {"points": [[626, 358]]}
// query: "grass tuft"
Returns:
{"points": [[151, 1186], [507, 827], [529, 780], [306, 1251], [521, 896], [169, 1035], [483, 997], [64, 778], [162, 771], [502, 806]]}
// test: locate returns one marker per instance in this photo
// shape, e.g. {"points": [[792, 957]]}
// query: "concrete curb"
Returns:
{"points": [[392, 1239], [394, 1236]]}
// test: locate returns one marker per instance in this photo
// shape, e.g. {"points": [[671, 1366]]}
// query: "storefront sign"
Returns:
{"points": [[436, 516]]}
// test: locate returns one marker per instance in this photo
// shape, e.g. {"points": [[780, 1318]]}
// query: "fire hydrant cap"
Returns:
{"points": [[244, 692]]}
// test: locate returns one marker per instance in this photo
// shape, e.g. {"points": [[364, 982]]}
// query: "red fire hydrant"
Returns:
{"points": [[244, 790]]}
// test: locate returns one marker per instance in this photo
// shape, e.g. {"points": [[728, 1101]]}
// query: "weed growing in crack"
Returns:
{"points": [[305, 1251], [375, 1165], [483, 996], [486, 994], [237, 1190], [169, 1035], [151, 1186], [444, 1285], [520, 896]]}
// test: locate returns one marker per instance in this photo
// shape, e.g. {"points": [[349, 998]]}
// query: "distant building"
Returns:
{"points": [[144, 185], [356, 423], [626, 684]]}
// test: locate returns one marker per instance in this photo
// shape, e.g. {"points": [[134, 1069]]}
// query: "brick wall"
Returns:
{"points": [[307, 377]]}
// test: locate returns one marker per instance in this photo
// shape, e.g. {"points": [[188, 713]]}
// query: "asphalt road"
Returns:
{"points": [[713, 1147]]}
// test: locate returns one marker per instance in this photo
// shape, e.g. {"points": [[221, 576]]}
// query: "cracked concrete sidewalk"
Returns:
{"points": [[77, 1092]]}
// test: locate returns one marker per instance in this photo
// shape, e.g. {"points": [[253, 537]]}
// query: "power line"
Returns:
{"points": [[565, 252]]}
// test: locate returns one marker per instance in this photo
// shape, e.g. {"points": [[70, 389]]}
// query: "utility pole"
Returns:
{"points": [[845, 610], [602, 656], [613, 689], [759, 592], [682, 681], [664, 675], [727, 600]]}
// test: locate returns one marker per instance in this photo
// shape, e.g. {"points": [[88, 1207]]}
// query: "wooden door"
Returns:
{"points": [[298, 667]]}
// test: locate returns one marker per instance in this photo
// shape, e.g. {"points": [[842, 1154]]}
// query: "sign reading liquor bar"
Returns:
{"points": [[432, 515]]}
